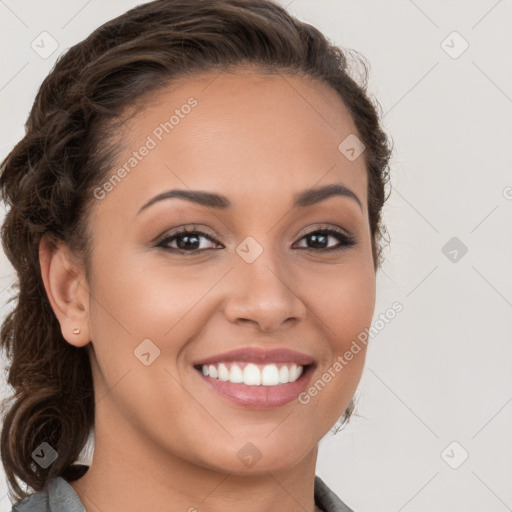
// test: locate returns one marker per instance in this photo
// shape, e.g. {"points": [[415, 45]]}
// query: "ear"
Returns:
{"points": [[66, 287]]}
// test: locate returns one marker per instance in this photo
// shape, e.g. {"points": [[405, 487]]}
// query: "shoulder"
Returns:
{"points": [[37, 502], [57, 496], [326, 499]]}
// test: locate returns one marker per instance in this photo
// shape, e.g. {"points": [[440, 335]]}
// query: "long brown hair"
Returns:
{"points": [[47, 181]]}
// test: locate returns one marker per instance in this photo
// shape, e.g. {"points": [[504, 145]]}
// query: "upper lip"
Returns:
{"points": [[258, 355]]}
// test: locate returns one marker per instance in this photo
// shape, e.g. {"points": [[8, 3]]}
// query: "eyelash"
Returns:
{"points": [[345, 241]]}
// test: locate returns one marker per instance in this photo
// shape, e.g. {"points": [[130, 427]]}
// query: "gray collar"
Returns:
{"points": [[59, 496]]}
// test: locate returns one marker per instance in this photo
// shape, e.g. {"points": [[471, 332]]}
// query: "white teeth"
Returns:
{"points": [[213, 371], [270, 375], [251, 375], [283, 375], [223, 372], [236, 375]]}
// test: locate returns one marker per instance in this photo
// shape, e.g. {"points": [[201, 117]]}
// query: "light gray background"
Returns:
{"points": [[441, 370]]}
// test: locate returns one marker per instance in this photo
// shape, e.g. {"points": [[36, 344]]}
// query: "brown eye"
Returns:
{"points": [[187, 241], [319, 240]]}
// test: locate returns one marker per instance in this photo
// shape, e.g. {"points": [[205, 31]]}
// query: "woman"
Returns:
{"points": [[195, 220]]}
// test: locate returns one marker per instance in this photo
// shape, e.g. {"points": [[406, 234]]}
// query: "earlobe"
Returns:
{"points": [[66, 288]]}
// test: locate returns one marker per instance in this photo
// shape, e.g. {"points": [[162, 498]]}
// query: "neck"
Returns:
{"points": [[145, 477]]}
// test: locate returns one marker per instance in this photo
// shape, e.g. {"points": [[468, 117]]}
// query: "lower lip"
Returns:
{"points": [[260, 397]]}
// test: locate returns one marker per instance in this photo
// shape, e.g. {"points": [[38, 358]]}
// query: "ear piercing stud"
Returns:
{"points": [[76, 330]]}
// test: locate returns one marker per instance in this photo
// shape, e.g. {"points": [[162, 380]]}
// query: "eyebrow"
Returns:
{"points": [[301, 200]]}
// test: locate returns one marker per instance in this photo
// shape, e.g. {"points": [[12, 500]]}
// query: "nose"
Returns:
{"points": [[264, 296]]}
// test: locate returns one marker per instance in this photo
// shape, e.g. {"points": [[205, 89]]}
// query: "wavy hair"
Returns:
{"points": [[68, 149]]}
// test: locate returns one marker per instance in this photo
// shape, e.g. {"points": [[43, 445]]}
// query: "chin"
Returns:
{"points": [[259, 457]]}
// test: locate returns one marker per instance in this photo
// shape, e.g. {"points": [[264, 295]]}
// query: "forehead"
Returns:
{"points": [[244, 133]]}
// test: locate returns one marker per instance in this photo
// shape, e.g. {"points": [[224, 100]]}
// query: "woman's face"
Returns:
{"points": [[252, 279]]}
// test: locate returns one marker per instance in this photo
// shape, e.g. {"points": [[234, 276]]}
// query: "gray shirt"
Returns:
{"points": [[59, 496]]}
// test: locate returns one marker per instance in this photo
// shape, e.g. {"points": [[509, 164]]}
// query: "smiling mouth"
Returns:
{"points": [[251, 374]]}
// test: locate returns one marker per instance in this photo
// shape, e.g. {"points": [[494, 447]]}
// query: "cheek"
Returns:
{"points": [[343, 305], [136, 300], [344, 300]]}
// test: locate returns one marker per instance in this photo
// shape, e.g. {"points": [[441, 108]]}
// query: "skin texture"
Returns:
{"points": [[163, 439]]}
